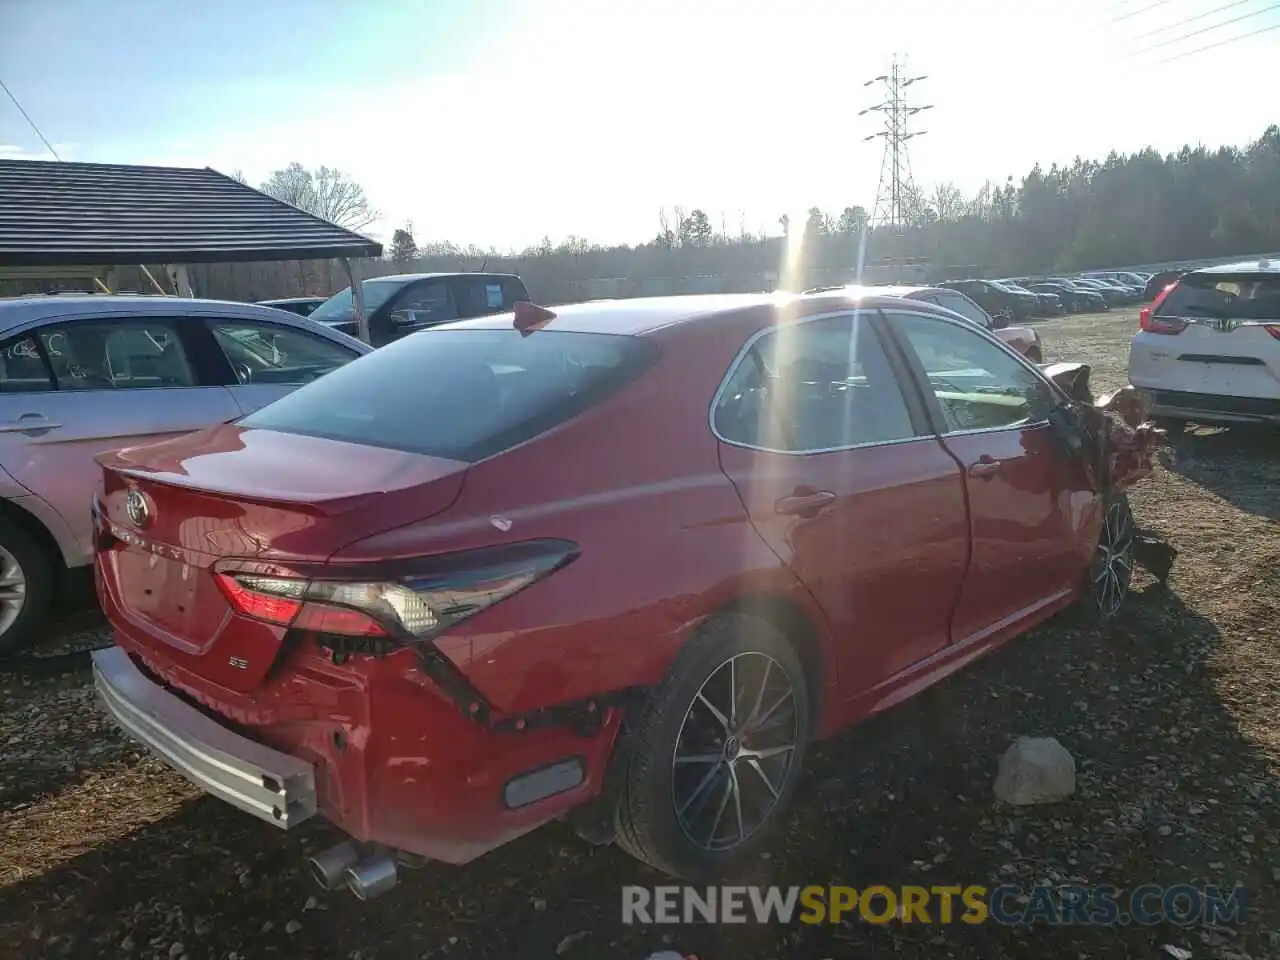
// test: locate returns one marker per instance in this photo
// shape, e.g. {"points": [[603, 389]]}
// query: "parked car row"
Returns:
{"points": [[1025, 298]]}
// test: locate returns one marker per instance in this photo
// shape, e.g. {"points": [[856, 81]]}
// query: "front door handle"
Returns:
{"points": [[805, 502], [29, 423], [985, 468]]}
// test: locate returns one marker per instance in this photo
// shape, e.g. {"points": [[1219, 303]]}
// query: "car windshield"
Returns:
{"points": [[338, 307], [460, 394], [1224, 296]]}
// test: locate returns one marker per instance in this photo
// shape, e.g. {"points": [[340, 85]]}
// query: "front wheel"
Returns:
{"points": [[1111, 570], [716, 755], [27, 581]]}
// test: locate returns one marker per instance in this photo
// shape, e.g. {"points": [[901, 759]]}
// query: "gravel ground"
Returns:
{"points": [[1170, 714]]}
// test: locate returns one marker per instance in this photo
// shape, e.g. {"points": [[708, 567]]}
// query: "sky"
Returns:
{"points": [[499, 122]]}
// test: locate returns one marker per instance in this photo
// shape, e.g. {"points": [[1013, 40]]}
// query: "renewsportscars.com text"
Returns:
{"points": [[1008, 904]]}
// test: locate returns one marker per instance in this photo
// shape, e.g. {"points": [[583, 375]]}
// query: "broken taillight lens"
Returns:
{"points": [[427, 597]]}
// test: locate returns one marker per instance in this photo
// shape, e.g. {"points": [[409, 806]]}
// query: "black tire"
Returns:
{"points": [[40, 571], [648, 823], [1103, 599]]}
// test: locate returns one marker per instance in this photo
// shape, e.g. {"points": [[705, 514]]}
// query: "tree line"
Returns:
{"points": [[1141, 207], [1135, 208]]}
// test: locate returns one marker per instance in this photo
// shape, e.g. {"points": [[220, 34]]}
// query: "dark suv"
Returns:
{"points": [[401, 304], [997, 299]]}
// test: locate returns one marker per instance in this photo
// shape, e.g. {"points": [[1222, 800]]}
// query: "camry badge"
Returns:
{"points": [[135, 505]]}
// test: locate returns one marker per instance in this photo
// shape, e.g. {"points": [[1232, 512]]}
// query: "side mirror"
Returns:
{"points": [[999, 321], [401, 318], [1073, 378]]}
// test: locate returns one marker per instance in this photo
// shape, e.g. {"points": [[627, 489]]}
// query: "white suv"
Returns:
{"points": [[1209, 347]]}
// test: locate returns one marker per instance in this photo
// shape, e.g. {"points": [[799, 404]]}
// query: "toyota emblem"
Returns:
{"points": [[135, 504]]}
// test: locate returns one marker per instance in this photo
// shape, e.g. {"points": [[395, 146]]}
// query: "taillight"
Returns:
{"points": [[1148, 321], [1273, 329], [428, 596]]}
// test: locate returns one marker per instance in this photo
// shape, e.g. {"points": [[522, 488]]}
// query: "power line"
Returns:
{"points": [[1140, 10], [1211, 27], [1222, 43], [1185, 20], [27, 117]]}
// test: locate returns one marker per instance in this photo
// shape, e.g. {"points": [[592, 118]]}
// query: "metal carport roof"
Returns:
{"points": [[54, 214]]}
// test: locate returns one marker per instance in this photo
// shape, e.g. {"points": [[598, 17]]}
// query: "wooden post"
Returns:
{"points": [[357, 299]]}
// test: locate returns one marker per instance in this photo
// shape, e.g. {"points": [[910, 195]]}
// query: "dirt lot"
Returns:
{"points": [[1170, 713]]}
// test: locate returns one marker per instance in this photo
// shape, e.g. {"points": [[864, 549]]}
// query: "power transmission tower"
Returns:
{"points": [[895, 194]]}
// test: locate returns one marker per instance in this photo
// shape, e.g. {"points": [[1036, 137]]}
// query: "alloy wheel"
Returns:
{"points": [[13, 589], [734, 752], [1113, 563]]}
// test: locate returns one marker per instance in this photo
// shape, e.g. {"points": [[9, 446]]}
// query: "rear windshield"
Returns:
{"points": [[460, 394], [1241, 296]]}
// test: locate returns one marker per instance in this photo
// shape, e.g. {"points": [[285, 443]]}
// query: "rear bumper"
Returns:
{"points": [[1213, 408], [270, 785]]}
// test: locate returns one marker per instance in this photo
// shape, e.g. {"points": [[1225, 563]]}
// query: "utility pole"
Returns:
{"points": [[895, 194]]}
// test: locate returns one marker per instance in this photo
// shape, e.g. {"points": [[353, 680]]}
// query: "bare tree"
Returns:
{"points": [[328, 193], [680, 227], [948, 201]]}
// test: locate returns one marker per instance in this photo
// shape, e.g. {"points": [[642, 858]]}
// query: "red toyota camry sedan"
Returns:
{"points": [[624, 560]]}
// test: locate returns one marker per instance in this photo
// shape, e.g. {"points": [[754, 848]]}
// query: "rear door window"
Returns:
{"points": [[22, 369], [811, 387], [460, 394], [1224, 297], [117, 354]]}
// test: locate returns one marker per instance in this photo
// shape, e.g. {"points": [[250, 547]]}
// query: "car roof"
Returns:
{"points": [[290, 300], [645, 315], [17, 311], [407, 277], [1243, 266]]}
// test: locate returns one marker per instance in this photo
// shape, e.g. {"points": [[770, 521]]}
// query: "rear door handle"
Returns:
{"points": [[986, 467], [807, 503]]}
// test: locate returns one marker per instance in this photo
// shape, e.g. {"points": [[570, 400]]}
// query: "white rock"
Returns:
{"points": [[1035, 770]]}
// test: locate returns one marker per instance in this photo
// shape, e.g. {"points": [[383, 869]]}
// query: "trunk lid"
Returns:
{"points": [[175, 509]]}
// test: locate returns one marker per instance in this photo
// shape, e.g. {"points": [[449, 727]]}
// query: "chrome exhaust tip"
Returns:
{"points": [[372, 877], [329, 868]]}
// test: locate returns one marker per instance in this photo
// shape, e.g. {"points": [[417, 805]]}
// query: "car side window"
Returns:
{"points": [[117, 355], [979, 385], [512, 291], [22, 369], [425, 303], [813, 386], [965, 307], [269, 353]]}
